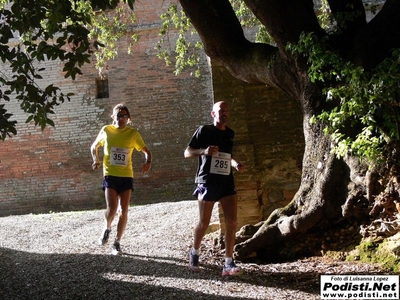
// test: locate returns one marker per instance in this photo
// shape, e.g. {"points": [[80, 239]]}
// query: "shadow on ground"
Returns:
{"points": [[25, 275]]}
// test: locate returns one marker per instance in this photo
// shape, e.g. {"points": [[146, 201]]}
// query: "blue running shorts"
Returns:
{"points": [[213, 192], [119, 184]]}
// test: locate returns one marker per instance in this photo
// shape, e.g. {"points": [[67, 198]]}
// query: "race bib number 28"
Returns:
{"points": [[221, 164], [119, 156]]}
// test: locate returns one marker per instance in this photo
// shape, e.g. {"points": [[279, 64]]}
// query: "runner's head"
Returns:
{"points": [[220, 113], [121, 115]]}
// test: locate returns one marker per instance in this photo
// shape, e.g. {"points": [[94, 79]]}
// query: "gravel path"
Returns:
{"points": [[56, 256]]}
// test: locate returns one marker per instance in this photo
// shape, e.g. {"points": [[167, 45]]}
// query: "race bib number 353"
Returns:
{"points": [[119, 156], [221, 164]]}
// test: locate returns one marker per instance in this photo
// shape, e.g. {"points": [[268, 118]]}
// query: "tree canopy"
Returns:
{"points": [[335, 48]]}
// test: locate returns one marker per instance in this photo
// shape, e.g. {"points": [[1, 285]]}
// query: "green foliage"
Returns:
{"points": [[33, 32], [244, 15], [364, 113], [335, 24], [325, 17], [107, 28], [377, 253], [248, 20], [187, 50]]}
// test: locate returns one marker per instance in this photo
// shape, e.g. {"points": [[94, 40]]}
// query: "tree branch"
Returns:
{"points": [[350, 17], [223, 39], [379, 37], [353, 7], [285, 20]]}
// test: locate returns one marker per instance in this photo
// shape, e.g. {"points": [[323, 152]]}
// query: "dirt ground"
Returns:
{"points": [[56, 256]]}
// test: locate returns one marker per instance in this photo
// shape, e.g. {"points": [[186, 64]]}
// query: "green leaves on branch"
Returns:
{"points": [[248, 20], [31, 34], [187, 48], [7, 126], [364, 112], [35, 32], [107, 28]]}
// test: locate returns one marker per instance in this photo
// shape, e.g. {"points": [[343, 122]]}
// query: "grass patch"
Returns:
{"points": [[376, 252]]}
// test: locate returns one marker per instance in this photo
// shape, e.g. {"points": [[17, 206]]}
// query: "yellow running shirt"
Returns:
{"points": [[118, 149]]}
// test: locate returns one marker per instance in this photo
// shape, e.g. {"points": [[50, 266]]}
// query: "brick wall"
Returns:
{"points": [[51, 170], [269, 141]]}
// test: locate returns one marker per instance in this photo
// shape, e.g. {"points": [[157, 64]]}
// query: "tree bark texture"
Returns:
{"points": [[327, 182]]}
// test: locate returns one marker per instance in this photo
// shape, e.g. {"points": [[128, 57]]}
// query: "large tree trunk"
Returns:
{"points": [[329, 185], [325, 186]]}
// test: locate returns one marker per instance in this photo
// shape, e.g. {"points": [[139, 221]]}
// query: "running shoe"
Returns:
{"points": [[194, 262], [116, 248], [231, 270], [104, 237]]}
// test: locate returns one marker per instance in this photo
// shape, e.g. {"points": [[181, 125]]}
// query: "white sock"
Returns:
{"points": [[195, 252], [228, 260]]}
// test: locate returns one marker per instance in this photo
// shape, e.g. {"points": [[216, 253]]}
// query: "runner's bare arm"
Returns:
{"points": [[148, 156], [94, 150], [237, 165], [192, 152]]}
